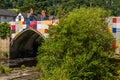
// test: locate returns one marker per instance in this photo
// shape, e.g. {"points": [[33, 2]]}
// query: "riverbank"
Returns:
{"points": [[29, 62], [28, 73]]}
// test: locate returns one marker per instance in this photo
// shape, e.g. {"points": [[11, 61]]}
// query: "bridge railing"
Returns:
{"points": [[114, 27], [41, 26]]}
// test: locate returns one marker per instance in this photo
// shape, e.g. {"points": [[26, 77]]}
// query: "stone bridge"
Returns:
{"points": [[24, 37], [24, 34]]}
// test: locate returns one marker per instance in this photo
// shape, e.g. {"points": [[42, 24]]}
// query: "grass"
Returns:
{"points": [[4, 69], [4, 55]]}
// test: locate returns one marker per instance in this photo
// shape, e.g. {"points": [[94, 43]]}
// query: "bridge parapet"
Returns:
{"points": [[40, 26], [114, 27]]}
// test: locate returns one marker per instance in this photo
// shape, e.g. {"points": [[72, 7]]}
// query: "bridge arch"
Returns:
{"points": [[24, 44]]}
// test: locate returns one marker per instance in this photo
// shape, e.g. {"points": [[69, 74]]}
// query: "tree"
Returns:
{"points": [[4, 30], [78, 48], [2, 4], [54, 6], [115, 7]]}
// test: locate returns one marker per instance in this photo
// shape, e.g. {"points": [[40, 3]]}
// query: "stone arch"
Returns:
{"points": [[22, 45]]}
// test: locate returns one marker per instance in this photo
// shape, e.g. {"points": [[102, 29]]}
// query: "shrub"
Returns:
{"points": [[4, 69], [1, 70], [7, 69], [78, 48], [22, 66], [4, 30]]}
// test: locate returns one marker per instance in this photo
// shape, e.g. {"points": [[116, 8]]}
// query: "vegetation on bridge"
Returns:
{"points": [[78, 48]]}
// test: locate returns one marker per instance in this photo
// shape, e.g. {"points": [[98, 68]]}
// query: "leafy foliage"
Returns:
{"points": [[78, 48], [4, 30], [4, 69], [60, 7]]}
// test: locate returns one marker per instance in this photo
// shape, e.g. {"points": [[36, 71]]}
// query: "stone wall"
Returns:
{"points": [[4, 47]]}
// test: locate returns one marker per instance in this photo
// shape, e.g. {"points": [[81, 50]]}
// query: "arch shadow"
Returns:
{"points": [[24, 44]]}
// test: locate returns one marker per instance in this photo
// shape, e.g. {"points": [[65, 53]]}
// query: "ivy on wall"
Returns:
{"points": [[4, 30]]}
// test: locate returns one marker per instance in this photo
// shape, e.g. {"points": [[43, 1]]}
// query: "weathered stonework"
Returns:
{"points": [[4, 48]]}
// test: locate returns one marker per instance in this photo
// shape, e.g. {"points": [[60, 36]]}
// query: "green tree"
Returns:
{"points": [[78, 48], [114, 6], [54, 6], [2, 4], [4, 30]]}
